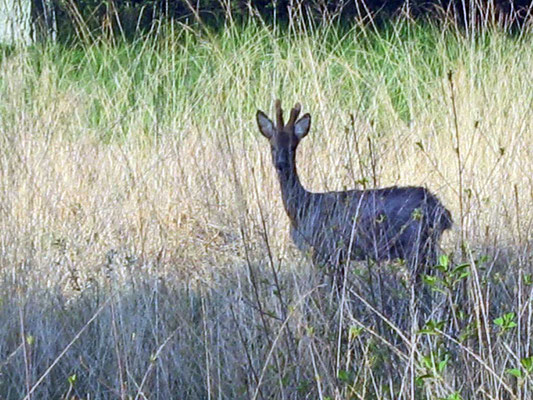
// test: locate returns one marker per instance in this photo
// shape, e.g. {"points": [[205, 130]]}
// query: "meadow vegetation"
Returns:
{"points": [[145, 249]]}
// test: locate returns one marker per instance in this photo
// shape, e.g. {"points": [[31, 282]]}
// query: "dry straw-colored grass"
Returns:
{"points": [[134, 176]]}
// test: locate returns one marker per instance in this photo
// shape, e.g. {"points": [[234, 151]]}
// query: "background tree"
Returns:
{"points": [[27, 20]]}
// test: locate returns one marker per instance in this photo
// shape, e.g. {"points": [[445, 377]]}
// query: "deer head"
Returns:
{"points": [[284, 138]]}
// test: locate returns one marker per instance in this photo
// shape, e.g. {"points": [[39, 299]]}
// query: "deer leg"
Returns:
{"points": [[424, 298]]}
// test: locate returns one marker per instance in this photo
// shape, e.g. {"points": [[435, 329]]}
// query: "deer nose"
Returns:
{"points": [[281, 159], [282, 165]]}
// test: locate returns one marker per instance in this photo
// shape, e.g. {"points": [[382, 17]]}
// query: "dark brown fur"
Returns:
{"points": [[380, 224]]}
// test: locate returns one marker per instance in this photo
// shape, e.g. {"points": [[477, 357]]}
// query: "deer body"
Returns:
{"points": [[379, 224]]}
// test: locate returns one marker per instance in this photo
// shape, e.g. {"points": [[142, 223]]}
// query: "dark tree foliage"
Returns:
{"points": [[127, 17]]}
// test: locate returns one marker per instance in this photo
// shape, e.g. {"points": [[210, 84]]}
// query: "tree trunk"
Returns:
{"points": [[26, 21], [15, 26]]}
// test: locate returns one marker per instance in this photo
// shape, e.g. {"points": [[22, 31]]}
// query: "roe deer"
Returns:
{"points": [[379, 224]]}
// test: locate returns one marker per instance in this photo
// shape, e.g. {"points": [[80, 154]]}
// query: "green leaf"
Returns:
{"points": [[461, 271], [442, 364], [483, 259], [427, 362], [430, 280], [506, 321], [514, 372], [444, 261], [345, 376], [425, 376], [509, 320], [72, 379], [527, 363], [354, 332], [432, 327], [461, 267], [417, 214]]}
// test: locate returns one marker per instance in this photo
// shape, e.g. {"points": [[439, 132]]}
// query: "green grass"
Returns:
{"points": [[145, 250]]}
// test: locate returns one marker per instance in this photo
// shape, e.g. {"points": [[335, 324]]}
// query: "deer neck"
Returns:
{"points": [[293, 193]]}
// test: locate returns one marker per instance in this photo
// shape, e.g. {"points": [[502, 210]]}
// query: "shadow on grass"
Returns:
{"points": [[255, 333]]}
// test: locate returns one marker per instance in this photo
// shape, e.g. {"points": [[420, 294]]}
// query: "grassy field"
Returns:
{"points": [[144, 246]]}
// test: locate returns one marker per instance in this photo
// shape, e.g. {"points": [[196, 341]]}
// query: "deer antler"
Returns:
{"points": [[292, 119], [294, 114], [279, 114]]}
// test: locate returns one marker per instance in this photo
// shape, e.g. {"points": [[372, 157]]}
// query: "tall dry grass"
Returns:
{"points": [[144, 246]]}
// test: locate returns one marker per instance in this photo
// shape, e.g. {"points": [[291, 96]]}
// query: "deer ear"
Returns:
{"points": [[301, 128], [266, 127]]}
